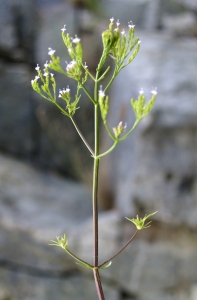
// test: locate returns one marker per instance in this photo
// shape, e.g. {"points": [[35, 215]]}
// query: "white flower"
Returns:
{"points": [[76, 39], [61, 92], [154, 91], [139, 42], [123, 32], [85, 66], [117, 23], [70, 65], [46, 64], [64, 28], [111, 20], [101, 92], [52, 75], [130, 25], [69, 50], [67, 89], [122, 127], [35, 79], [46, 74], [141, 92], [51, 51], [37, 68]]}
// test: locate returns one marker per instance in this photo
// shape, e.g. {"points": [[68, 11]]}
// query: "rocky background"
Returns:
{"points": [[42, 159]]}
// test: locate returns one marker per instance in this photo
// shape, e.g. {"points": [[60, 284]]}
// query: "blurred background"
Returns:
{"points": [[45, 170]]}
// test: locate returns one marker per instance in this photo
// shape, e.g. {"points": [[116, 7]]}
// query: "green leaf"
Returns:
{"points": [[83, 265], [106, 265]]}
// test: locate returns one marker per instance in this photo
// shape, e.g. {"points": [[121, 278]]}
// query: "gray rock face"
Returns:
{"points": [[155, 169], [16, 118], [32, 288], [42, 205], [160, 263], [188, 3], [35, 207], [181, 24]]}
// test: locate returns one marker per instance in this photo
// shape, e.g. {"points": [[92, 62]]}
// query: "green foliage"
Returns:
{"points": [[61, 242], [107, 265], [140, 222], [140, 108]]}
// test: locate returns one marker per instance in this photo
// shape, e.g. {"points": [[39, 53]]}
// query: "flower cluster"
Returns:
{"points": [[119, 129], [64, 91], [140, 222], [119, 45], [61, 242], [140, 108]]}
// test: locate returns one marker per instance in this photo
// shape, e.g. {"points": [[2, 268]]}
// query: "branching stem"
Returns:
{"points": [[82, 137], [77, 258]]}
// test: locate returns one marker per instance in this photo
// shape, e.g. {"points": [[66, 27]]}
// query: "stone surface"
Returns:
{"points": [[182, 24], [160, 263], [32, 288], [191, 4], [16, 131], [34, 208], [38, 207], [125, 10]]}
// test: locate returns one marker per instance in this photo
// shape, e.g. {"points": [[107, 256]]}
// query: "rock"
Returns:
{"points": [[34, 208], [181, 24], [33, 288], [190, 4], [16, 118], [194, 292], [154, 169], [157, 269], [37, 207], [125, 10], [160, 263]]}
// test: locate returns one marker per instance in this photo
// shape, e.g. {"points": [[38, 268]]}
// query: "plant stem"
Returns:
{"points": [[109, 131], [87, 93], [105, 262], [98, 284], [130, 131], [95, 210], [112, 79], [95, 192], [82, 137], [77, 258], [109, 150]]}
